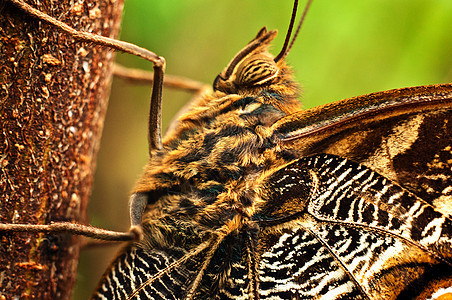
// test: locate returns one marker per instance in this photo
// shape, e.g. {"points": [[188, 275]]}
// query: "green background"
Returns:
{"points": [[345, 49]]}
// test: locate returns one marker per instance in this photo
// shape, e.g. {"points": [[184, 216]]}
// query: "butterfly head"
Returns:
{"points": [[252, 68], [255, 69]]}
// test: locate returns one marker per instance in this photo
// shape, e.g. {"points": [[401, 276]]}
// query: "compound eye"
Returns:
{"points": [[256, 70]]}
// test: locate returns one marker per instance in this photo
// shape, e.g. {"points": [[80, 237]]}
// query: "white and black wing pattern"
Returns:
{"points": [[170, 273], [357, 236], [329, 229], [135, 267]]}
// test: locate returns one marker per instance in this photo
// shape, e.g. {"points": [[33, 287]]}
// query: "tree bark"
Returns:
{"points": [[53, 99]]}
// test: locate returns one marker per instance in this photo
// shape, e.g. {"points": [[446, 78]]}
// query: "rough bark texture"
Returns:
{"points": [[53, 98]]}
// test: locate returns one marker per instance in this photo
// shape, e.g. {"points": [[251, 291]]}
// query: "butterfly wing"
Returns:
{"points": [[352, 234], [363, 234], [134, 267], [404, 135], [331, 227]]}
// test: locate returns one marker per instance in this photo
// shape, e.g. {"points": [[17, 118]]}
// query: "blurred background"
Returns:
{"points": [[345, 48]]}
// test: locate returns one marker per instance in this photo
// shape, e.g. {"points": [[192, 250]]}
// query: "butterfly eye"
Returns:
{"points": [[256, 70]]}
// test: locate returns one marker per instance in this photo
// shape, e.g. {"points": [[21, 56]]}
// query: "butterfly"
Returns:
{"points": [[252, 198]]}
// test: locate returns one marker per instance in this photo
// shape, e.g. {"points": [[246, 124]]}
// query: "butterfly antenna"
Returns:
{"points": [[303, 16], [286, 48], [289, 32]]}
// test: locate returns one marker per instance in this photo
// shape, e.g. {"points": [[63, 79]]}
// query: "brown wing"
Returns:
{"points": [[403, 134]]}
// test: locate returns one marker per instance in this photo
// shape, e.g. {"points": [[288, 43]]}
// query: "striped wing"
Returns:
{"points": [[363, 214], [352, 234], [165, 274], [359, 236], [135, 266], [404, 135]]}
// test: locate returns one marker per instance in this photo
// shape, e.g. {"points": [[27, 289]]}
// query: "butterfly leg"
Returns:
{"points": [[147, 77], [73, 228]]}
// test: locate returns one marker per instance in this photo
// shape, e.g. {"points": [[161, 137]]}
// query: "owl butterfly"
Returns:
{"points": [[250, 197]]}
